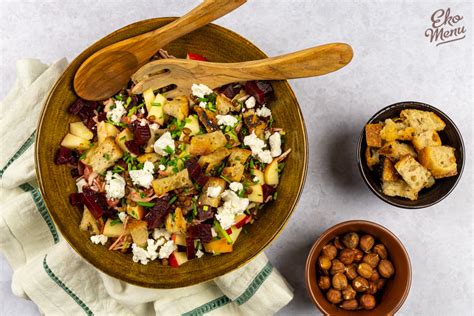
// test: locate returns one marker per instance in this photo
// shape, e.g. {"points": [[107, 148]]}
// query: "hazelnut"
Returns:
{"points": [[349, 305], [324, 282], [324, 262], [346, 256], [372, 259], [367, 301], [338, 244], [349, 293], [350, 240], [358, 254], [380, 283], [364, 270], [330, 251], [334, 296], [372, 288], [381, 251], [360, 284], [339, 281], [386, 268], [351, 272], [375, 276], [366, 243], [337, 267]]}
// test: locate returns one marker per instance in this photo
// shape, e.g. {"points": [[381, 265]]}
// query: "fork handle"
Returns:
{"points": [[315, 61]]}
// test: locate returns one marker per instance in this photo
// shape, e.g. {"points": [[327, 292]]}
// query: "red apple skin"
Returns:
{"points": [[172, 261], [194, 56], [243, 221]]}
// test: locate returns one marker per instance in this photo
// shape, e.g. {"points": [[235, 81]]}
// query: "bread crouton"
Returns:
{"points": [[104, 155], [395, 150], [372, 157], [372, 135], [396, 130], [399, 188], [414, 174], [439, 160], [388, 171], [425, 139], [422, 121]]}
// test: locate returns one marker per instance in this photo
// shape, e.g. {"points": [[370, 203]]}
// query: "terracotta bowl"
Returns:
{"points": [[217, 44], [450, 136], [395, 291]]}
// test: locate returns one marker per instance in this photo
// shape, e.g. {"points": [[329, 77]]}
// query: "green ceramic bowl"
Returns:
{"points": [[217, 44]]}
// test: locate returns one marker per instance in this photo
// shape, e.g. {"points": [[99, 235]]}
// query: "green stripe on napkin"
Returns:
{"points": [[20, 151]]}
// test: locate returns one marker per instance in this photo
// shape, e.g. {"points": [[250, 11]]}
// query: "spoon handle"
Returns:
{"points": [[315, 61], [206, 12]]}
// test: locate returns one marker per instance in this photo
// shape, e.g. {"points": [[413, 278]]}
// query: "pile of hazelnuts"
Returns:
{"points": [[353, 271]]}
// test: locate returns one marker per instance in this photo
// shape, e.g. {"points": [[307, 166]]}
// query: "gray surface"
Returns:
{"points": [[393, 62]]}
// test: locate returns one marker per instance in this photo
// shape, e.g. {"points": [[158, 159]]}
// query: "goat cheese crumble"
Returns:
{"points": [[122, 216], [226, 120], [250, 103], [143, 177], [139, 254], [257, 146], [264, 111], [200, 90], [213, 192], [114, 185], [275, 144], [233, 205], [117, 112], [162, 167], [80, 183], [160, 247], [164, 144], [99, 239], [199, 253], [167, 249], [236, 186]]}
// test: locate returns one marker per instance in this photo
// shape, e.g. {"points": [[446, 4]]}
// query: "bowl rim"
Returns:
{"points": [[361, 146], [328, 232], [150, 284]]}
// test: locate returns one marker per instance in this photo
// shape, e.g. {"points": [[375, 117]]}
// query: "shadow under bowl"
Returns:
{"points": [[450, 136]]}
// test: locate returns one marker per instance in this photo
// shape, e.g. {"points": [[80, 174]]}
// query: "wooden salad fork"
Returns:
{"points": [[183, 73], [108, 70]]}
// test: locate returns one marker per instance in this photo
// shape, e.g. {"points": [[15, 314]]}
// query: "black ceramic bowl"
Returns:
{"points": [[450, 136]]}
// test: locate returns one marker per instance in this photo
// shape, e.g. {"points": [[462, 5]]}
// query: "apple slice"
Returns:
{"points": [[271, 173], [149, 97], [218, 246], [113, 228], [242, 220], [192, 123], [195, 56], [155, 110], [177, 258], [80, 130], [75, 142], [257, 194], [105, 130], [179, 239], [235, 234], [139, 232]]}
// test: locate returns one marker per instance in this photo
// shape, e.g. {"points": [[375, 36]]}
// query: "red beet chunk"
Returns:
{"points": [[194, 169], [122, 164], [95, 202], [190, 250], [90, 123], [80, 168], [76, 199], [267, 190], [231, 90], [77, 106], [74, 173], [202, 180], [157, 215], [200, 231], [102, 116], [85, 109], [63, 156], [132, 146], [261, 90], [142, 134], [93, 207], [205, 215]]}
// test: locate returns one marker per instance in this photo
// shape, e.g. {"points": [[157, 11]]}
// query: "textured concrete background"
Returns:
{"points": [[393, 62]]}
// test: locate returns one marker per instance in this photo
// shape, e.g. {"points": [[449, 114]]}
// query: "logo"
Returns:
{"points": [[445, 28]]}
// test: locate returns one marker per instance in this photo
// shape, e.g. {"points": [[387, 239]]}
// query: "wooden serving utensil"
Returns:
{"points": [[108, 70], [183, 73]]}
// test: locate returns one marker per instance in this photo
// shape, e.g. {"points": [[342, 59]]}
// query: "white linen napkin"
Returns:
{"points": [[48, 272]]}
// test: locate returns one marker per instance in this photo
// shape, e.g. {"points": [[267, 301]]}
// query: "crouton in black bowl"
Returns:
{"points": [[411, 155]]}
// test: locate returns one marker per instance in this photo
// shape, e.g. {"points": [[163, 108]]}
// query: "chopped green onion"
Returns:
{"points": [[115, 222], [172, 200], [205, 208], [220, 231], [275, 195], [155, 104], [226, 179], [129, 99], [106, 156], [146, 204], [84, 154], [168, 150], [118, 169]]}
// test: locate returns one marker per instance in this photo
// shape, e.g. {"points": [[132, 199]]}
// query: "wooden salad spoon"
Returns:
{"points": [[108, 70], [183, 73]]}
